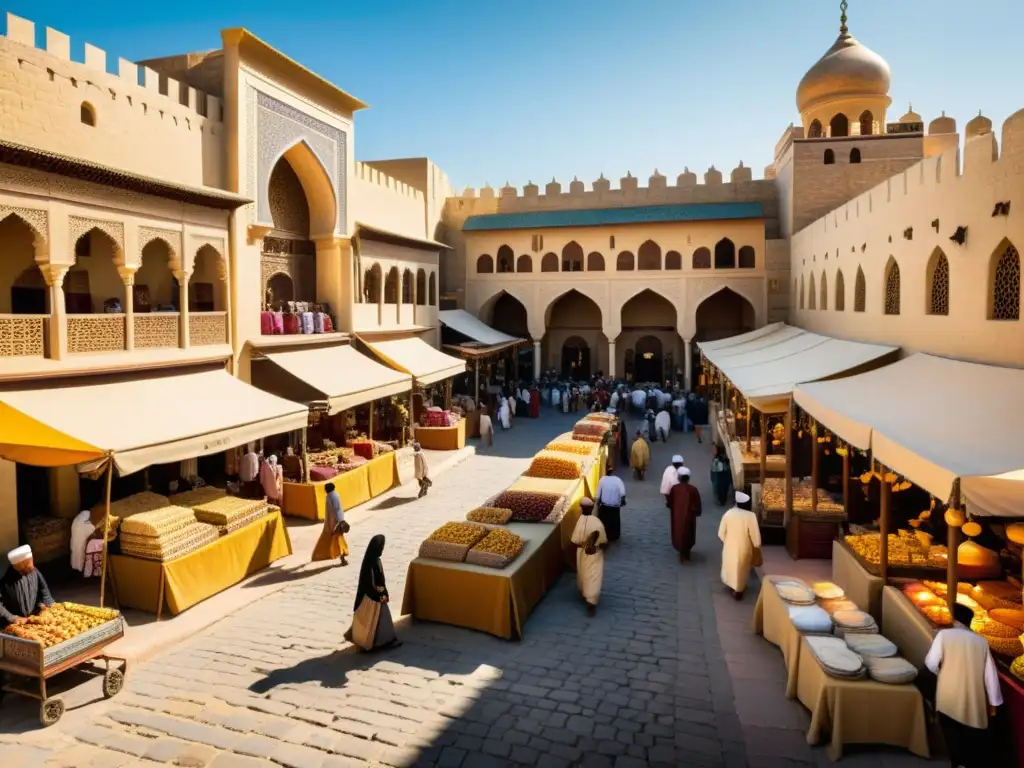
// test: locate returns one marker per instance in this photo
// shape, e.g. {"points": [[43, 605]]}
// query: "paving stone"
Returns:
{"points": [[298, 756], [350, 746], [231, 760], [451, 757]]}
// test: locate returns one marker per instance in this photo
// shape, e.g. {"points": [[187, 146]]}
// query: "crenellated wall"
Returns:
{"points": [[135, 121], [908, 221], [385, 202]]}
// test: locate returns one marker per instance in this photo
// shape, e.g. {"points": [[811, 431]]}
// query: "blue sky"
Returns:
{"points": [[535, 89]]}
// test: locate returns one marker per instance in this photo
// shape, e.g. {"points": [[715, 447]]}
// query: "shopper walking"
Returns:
{"points": [[741, 540], [697, 413], [685, 507], [372, 627], [332, 543], [422, 472], [591, 540], [486, 427], [611, 497], [639, 456]]}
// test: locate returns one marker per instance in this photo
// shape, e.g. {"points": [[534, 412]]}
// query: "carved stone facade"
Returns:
{"points": [[157, 330], [79, 225], [34, 217], [21, 336], [170, 236], [206, 328], [96, 333]]}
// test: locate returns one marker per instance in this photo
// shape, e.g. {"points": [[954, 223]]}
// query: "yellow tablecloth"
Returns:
{"points": [[860, 711], [357, 486], [771, 619], [860, 586], [442, 438], [906, 626], [486, 599], [204, 573]]}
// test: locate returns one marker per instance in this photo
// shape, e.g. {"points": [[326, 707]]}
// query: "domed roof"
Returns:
{"points": [[848, 68], [911, 116], [978, 125]]}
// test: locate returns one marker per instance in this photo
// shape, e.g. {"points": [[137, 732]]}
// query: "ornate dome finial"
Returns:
{"points": [[843, 29]]}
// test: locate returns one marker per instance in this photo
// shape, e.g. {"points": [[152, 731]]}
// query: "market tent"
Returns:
{"points": [[742, 338], [139, 420], [782, 333], [909, 410], [414, 356], [341, 375], [463, 322]]}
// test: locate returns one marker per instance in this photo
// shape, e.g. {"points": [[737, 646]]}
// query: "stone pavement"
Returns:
{"points": [[649, 681]]}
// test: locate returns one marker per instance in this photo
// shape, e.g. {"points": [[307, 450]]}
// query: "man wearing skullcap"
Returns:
{"points": [[685, 507], [23, 590], [591, 540], [670, 476], [741, 539]]}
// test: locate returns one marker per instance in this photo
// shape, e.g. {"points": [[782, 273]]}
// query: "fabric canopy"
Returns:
{"points": [[906, 414], [463, 322], [341, 375], [414, 356], [742, 338], [780, 333], [139, 420]]}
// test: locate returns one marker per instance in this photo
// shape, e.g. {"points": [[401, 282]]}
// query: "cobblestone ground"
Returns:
{"points": [[643, 683]]}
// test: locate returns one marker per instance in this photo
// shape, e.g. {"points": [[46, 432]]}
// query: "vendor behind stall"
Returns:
{"points": [[23, 590]]}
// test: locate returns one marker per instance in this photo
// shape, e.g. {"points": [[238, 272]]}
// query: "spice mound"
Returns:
{"points": [[489, 515], [527, 506], [555, 467], [496, 550], [466, 534], [572, 446]]}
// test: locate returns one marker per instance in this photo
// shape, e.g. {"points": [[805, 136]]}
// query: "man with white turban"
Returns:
{"points": [[671, 475], [23, 590], [591, 540], [741, 539], [684, 505]]}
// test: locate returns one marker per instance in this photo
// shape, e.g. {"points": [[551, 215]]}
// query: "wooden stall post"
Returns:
{"points": [[448, 395], [789, 464], [721, 391], [106, 528], [476, 386], [814, 468], [883, 549], [305, 457], [764, 450], [748, 428], [846, 479], [952, 544], [369, 426], [412, 414]]}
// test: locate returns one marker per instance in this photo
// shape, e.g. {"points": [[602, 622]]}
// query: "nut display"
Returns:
{"points": [[61, 622], [527, 506], [571, 446], [500, 542], [555, 467], [465, 534], [773, 497], [904, 549], [489, 515], [1017, 667], [589, 429]]}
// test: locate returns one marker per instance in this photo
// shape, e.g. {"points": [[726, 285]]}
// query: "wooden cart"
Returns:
{"points": [[28, 665]]}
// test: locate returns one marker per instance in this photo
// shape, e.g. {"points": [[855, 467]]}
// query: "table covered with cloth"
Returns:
{"points": [[860, 711], [148, 584], [905, 625], [771, 620], [860, 586], [355, 487], [442, 438], [572, 492]]}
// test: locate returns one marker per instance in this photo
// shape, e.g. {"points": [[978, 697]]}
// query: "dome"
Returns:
{"points": [[847, 69], [942, 124], [911, 116], [978, 125]]}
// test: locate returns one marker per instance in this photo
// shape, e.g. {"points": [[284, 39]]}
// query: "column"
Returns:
{"points": [[536, 361], [8, 504], [54, 274], [225, 292], [183, 325], [128, 278], [688, 365], [611, 360]]}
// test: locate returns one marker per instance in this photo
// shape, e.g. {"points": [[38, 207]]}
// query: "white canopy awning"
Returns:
{"points": [[417, 358], [341, 375], [742, 338], [140, 420], [465, 323], [781, 333], [907, 414]]}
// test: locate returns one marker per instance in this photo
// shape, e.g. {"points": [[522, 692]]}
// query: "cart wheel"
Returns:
{"points": [[113, 681], [50, 711]]}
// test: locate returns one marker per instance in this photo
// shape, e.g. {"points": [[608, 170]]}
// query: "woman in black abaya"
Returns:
{"points": [[372, 627]]}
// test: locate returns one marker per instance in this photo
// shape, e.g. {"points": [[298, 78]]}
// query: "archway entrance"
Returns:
{"points": [[649, 360], [505, 313], [723, 314], [574, 320], [649, 341], [575, 359]]}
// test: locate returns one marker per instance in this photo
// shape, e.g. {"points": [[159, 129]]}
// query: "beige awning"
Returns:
{"points": [[780, 334], [470, 326], [742, 338], [907, 414], [341, 375], [140, 420], [417, 358]]}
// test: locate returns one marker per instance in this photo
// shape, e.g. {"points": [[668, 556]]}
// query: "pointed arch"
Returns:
{"points": [[867, 123], [723, 312], [573, 309], [316, 184], [840, 303], [814, 130], [648, 256], [391, 286], [624, 262], [505, 311], [524, 263], [372, 284], [860, 291], [155, 283], [854, 156], [506, 260], [891, 299], [830, 157], [673, 260], [407, 287], [747, 257], [702, 259], [421, 287], [484, 264], [839, 126], [1004, 283], [549, 263], [937, 284], [812, 296], [725, 254], [432, 290], [823, 300], [595, 262], [572, 257]]}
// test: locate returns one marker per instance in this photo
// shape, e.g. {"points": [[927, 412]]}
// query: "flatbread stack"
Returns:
{"points": [[836, 658], [840, 604], [137, 503], [894, 670], [202, 495], [810, 619], [795, 593], [871, 646], [854, 623], [165, 534], [229, 513]]}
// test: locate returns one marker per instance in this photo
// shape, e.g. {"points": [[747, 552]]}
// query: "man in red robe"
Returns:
{"points": [[685, 507]]}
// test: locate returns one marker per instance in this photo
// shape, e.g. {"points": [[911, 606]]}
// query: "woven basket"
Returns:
{"points": [[489, 559], [88, 639], [442, 550]]}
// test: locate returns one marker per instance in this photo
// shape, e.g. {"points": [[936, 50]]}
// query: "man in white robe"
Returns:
{"points": [[671, 475], [591, 540], [662, 426], [486, 427], [503, 413], [740, 537]]}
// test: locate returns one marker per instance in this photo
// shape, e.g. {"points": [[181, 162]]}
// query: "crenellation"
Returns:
{"points": [[95, 58], [58, 44], [713, 176]]}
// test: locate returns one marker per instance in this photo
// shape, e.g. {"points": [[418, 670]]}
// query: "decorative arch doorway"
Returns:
{"points": [[649, 342], [505, 313], [574, 317], [575, 359], [649, 360], [723, 314]]}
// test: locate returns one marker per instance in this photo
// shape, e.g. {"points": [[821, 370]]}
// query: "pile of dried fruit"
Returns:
{"points": [[547, 465], [463, 534], [489, 515], [904, 549], [574, 447], [773, 497], [61, 622], [500, 542], [589, 429], [527, 506]]}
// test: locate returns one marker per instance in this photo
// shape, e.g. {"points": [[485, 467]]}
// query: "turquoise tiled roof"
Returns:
{"points": [[597, 217]]}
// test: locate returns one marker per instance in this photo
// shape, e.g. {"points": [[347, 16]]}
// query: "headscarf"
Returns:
{"points": [[371, 572]]}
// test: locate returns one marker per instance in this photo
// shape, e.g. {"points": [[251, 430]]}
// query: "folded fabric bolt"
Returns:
{"points": [[894, 670], [875, 646], [810, 619]]}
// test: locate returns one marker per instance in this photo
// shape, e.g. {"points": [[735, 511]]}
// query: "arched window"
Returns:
{"points": [[572, 257], [892, 287], [506, 259], [937, 280], [391, 286], [801, 291], [407, 292], [823, 302], [484, 264], [648, 256], [702, 259], [854, 156], [673, 260], [812, 298], [867, 123], [840, 292], [421, 287], [1004, 282], [524, 263], [747, 258], [624, 262], [595, 262], [725, 254], [839, 126], [88, 114], [860, 292], [549, 263], [432, 290], [830, 157], [814, 130], [371, 285]]}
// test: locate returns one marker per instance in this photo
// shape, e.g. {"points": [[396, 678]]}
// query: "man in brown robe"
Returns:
{"points": [[685, 507]]}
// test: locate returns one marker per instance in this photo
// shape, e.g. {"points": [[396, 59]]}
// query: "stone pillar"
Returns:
{"points": [[128, 278], [225, 292], [688, 365], [183, 326], [54, 275], [334, 278], [536, 361], [611, 360]]}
